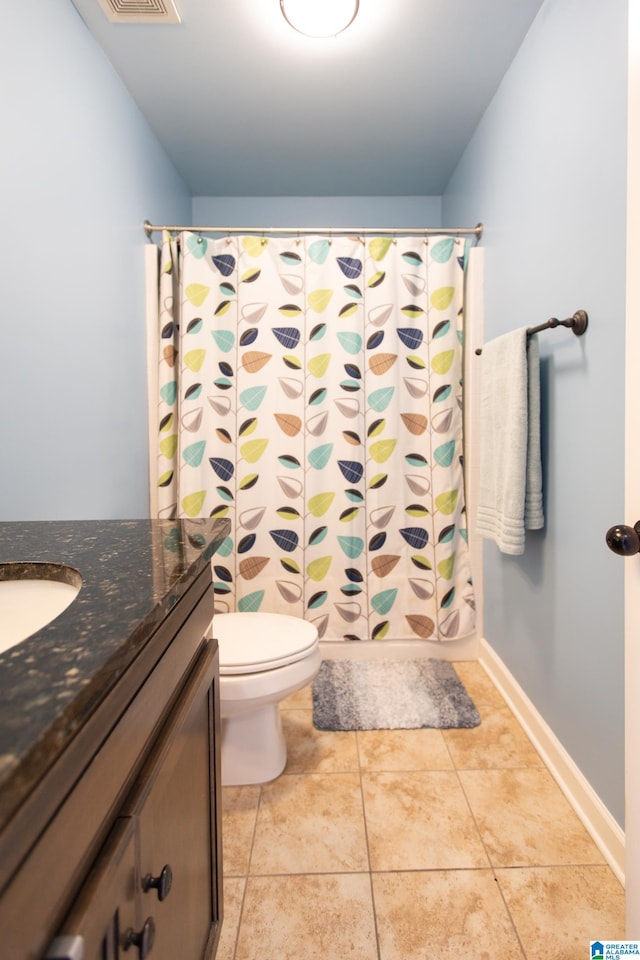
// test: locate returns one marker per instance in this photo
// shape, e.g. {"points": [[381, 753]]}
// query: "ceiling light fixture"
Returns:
{"points": [[319, 18]]}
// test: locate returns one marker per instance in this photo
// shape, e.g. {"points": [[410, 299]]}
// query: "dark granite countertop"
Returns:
{"points": [[133, 572]]}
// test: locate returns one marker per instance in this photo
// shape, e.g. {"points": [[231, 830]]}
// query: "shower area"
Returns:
{"points": [[313, 388]]}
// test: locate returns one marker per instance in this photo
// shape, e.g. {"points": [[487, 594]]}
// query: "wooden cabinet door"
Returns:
{"points": [[105, 910], [173, 802]]}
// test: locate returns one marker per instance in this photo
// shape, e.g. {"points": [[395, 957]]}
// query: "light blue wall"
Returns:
{"points": [[80, 171], [318, 211], [545, 172]]}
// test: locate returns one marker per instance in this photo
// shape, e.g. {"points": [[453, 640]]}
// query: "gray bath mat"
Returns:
{"points": [[390, 695]]}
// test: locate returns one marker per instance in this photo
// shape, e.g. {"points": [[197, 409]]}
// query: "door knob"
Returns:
{"points": [[624, 540]]}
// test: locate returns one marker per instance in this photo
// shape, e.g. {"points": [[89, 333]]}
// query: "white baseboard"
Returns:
{"points": [[603, 828]]}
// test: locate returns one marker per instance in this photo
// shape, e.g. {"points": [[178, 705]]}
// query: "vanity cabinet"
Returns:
{"points": [[129, 855], [153, 888], [171, 805]]}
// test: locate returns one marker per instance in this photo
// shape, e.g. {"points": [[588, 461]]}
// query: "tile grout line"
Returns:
{"points": [[237, 936], [484, 847], [246, 877], [366, 837]]}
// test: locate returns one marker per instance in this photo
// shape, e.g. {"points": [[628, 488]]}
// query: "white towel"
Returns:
{"points": [[510, 497]]}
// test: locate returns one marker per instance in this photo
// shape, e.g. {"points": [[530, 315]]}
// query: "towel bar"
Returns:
{"points": [[578, 323]]}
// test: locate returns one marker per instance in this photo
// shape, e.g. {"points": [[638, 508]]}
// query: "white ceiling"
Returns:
{"points": [[245, 106]]}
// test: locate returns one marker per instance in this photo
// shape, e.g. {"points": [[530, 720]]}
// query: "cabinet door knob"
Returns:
{"points": [[161, 883], [624, 540], [143, 940]]}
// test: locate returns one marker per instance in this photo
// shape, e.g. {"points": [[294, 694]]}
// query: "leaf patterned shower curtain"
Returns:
{"points": [[311, 392]]}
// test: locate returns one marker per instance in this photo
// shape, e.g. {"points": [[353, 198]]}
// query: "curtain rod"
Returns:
{"points": [[330, 231]]}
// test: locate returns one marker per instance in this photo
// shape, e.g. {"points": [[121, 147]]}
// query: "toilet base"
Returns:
{"points": [[253, 746]]}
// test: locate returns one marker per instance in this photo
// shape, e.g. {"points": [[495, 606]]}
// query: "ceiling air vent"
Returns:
{"points": [[140, 11]]}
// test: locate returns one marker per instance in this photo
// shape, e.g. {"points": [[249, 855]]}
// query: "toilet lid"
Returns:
{"points": [[250, 642]]}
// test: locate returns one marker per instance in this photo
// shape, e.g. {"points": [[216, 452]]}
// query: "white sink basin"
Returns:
{"points": [[31, 596]]}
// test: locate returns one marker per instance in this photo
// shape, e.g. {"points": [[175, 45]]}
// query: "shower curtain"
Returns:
{"points": [[310, 391]]}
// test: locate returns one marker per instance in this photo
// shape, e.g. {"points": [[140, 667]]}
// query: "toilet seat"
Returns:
{"points": [[256, 642]]}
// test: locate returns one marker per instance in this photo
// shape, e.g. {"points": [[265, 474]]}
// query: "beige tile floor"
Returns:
{"points": [[412, 845]]}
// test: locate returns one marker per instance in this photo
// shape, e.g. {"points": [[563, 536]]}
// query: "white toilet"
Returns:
{"points": [[264, 657]]}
